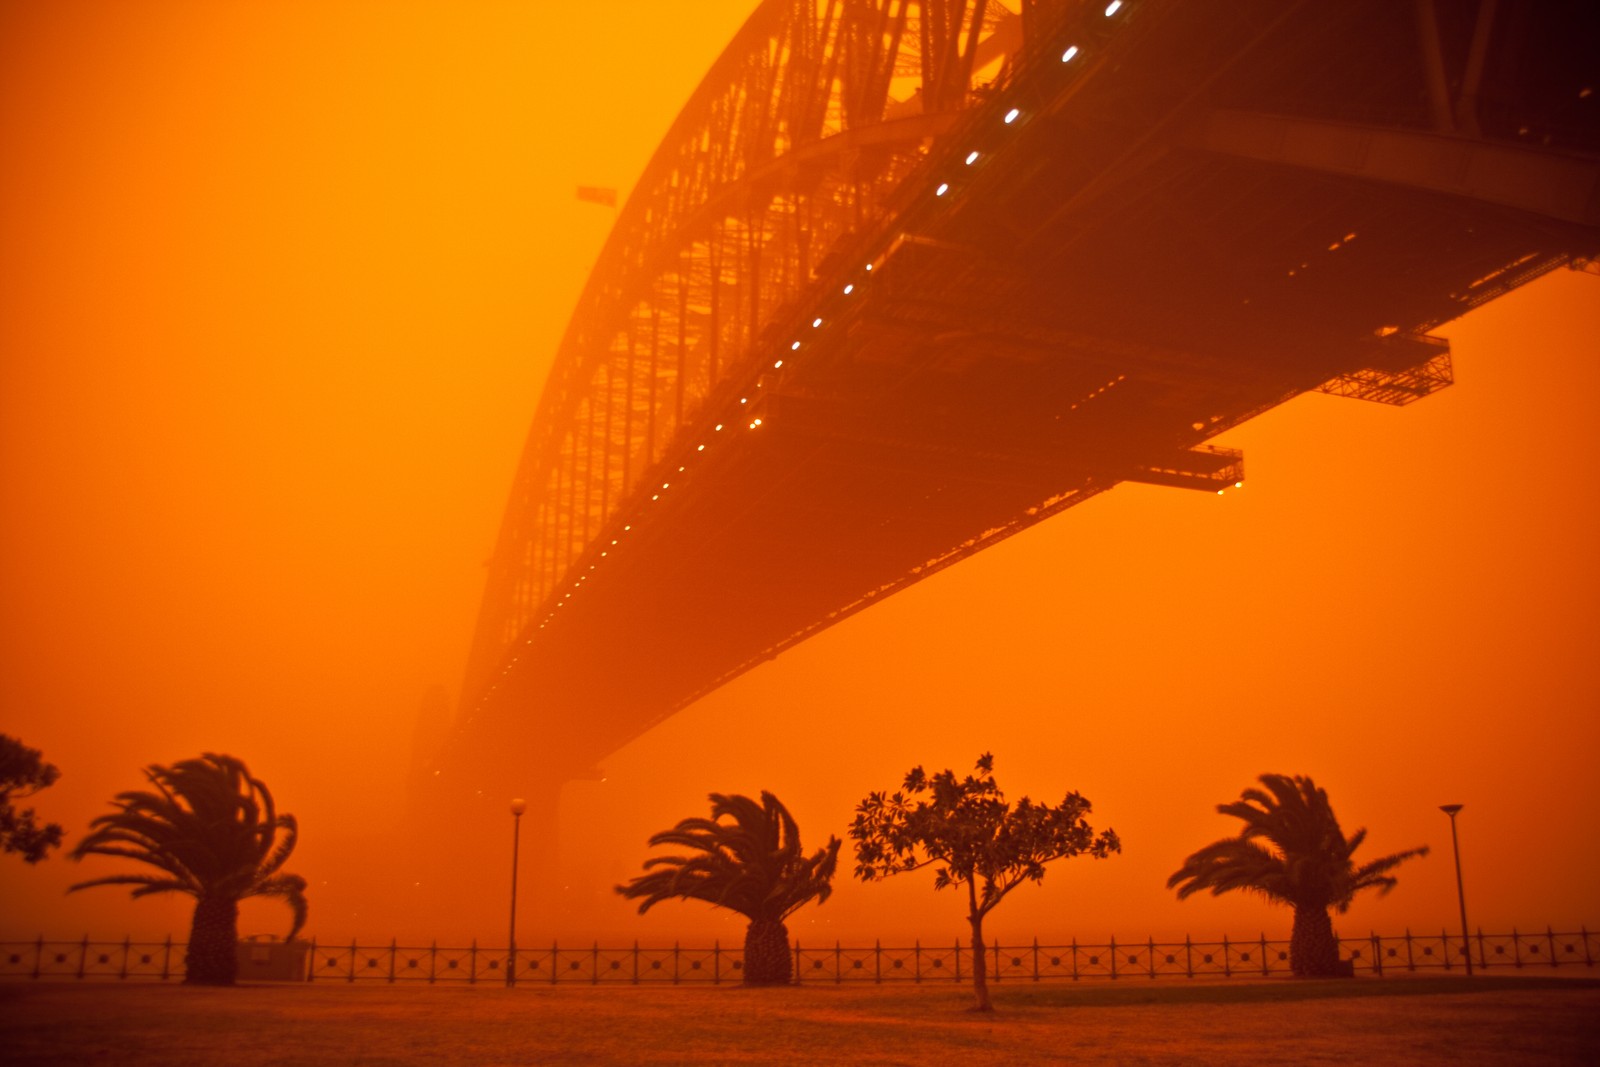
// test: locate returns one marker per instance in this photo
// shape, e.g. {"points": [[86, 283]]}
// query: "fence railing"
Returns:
{"points": [[323, 961]]}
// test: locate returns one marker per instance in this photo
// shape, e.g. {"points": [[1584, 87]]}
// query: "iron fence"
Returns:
{"points": [[1032, 961]]}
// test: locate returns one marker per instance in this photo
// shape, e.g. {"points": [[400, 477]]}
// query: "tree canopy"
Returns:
{"points": [[23, 772]]}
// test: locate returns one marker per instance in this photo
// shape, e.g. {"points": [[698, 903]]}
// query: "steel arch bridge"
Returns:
{"points": [[908, 276]]}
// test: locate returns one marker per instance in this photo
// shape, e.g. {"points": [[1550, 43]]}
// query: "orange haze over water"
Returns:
{"points": [[279, 285]]}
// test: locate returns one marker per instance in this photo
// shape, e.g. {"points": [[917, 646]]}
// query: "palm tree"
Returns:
{"points": [[1308, 866], [214, 833], [747, 859]]}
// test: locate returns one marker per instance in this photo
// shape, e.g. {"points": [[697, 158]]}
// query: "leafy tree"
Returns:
{"points": [[1307, 867], [213, 832], [973, 838], [23, 773], [746, 858]]}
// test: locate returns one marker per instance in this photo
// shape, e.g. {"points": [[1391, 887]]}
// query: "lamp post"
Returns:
{"points": [[518, 806], [1461, 893]]}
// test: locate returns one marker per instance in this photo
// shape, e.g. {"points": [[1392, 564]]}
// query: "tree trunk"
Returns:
{"points": [[1313, 952], [212, 955], [980, 966], [766, 953]]}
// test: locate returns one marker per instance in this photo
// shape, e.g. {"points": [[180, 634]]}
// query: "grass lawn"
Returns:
{"points": [[1436, 1020]]}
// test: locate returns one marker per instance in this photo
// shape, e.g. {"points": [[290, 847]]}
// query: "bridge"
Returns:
{"points": [[908, 276]]}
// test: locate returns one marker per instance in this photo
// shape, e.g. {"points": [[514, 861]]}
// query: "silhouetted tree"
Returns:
{"points": [[214, 833], [746, 858], [1308, 866], [23, 773], [972, 837]]}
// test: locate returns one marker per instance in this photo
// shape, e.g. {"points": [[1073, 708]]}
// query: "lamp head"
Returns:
{"points": [[518, 806], [1451, 809]]}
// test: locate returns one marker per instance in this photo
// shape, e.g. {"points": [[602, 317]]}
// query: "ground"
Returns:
{"points": [[1438, 1020]]}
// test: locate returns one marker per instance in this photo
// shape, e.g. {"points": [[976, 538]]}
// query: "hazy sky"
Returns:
{"points": [[279, 285]]}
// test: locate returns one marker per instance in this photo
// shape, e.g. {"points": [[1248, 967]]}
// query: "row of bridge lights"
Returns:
{"points": [[817, 323], [794, 346]]}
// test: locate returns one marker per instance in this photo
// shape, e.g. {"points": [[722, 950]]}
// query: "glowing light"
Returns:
{"points": [[719, 426], [815, 323], [796, 346], [655, 496], [1011, 116], [1219, 492], [869, 266], [744, 400], [849, 289], [972, 157], [666, 485], [1066, 57], [701, 448], [778, 364], [1238, 485], [944, 187], [1111, 8]]}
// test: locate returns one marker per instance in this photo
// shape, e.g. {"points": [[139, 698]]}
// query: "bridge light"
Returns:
{"points": [[1220, 492], [1111, 8], [972, 157], [778, 364], [944, 187], [744, 400], [815, 323], [655, 496], [1066, 57], [796, 346], [1238, 485], [666, 485], [1011, 116], [701, 448], [847, 291], [869, 266], [719, 426]]}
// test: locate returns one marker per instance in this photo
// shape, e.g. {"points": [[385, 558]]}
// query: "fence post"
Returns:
{"points": [[917, 961], [351, 977], [1113, 957], [799, 960], [595, 965], [636, 961], [996, 948], [83, 954], [674, 963], [877, 961], [433, 961], [958, 959], [393, 948], [1188, 957], [1227, 963], [311, 971], [1550, 936], [127, 944], [555, 969], [1377, 953], [1074, 959], [1036, 958], [1483, 961], [1264, 972], [166, 957], [838, 963], [38, 954], [1411, 962], [1588, 958], [1516, 949]]}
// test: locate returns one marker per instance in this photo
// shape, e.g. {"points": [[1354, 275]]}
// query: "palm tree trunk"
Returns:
{"points": [[1313, 952], [766, 953], [211, 958]]}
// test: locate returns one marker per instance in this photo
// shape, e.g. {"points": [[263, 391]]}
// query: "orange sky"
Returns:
{"points": [[279, 284]]}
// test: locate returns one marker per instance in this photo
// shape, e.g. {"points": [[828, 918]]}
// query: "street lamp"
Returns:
{"points": [[518, 806], [1461, 893]]}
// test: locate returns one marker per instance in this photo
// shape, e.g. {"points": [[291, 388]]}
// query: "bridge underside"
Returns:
{"points": [[1133, 265]]}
